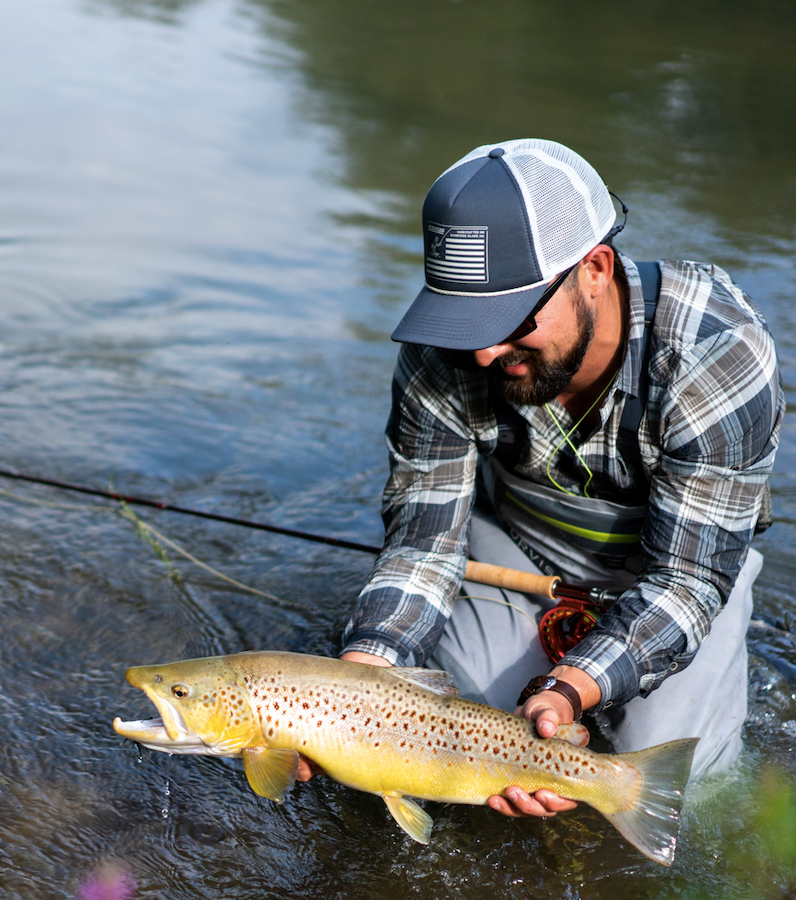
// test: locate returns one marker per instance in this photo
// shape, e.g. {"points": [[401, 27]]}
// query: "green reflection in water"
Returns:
{"points": [[699, 100]]}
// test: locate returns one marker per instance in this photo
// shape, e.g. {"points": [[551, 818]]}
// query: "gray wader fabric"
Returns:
{"points": [[492, 650]]}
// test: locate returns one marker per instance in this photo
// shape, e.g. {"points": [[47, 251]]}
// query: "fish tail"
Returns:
{"points": [[651, 824]]}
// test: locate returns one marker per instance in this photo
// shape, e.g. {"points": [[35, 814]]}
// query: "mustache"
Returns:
{"points": [[514, 358]]}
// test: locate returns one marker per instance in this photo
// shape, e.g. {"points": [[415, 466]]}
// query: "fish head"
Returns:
{"points": [[204, 708]]}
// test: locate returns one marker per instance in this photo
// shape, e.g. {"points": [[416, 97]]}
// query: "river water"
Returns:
{"points": [[209, 225]]}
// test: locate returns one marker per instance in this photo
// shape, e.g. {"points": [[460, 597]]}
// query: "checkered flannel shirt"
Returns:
{"points": [[707, 441]]}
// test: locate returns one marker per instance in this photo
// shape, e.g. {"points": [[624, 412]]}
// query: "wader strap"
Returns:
{"points": [[650, 273]]}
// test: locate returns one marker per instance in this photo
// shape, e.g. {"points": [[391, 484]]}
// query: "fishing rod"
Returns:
{"points": [[577, 606], [170, 507]]}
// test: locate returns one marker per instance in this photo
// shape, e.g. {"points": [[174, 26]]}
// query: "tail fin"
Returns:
{"points": [[652, 824]]}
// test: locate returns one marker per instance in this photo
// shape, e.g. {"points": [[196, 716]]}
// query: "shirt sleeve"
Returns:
{"points": [[408, 597], [716, 430]]}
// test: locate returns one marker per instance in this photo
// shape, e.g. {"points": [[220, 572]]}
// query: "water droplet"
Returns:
{"points": [[164, 813]]}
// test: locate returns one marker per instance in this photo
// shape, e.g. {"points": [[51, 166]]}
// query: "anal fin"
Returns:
{"points": [[271, 773], [415, 822]]}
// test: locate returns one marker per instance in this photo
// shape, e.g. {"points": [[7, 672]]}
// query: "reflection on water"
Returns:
{"points": [[209, 224]]}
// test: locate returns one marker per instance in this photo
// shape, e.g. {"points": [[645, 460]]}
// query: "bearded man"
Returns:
{"points": [[554, 412]]}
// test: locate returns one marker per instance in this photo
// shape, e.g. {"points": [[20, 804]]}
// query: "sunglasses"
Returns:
{"points": [[528, 324]]}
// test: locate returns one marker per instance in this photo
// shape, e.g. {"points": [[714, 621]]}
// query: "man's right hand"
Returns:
{"points": [[306, 768]]}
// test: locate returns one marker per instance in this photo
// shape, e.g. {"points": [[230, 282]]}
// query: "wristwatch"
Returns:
{"points": [[549, 683]]}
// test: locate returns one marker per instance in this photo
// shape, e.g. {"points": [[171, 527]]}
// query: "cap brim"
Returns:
{"points": [[454, 322]]}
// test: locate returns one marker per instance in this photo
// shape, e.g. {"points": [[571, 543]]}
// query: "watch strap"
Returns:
{"points": [[549, 683]]}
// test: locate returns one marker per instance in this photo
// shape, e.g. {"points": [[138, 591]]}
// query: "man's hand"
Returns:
{"points": [[306, 768], [547, 710]]}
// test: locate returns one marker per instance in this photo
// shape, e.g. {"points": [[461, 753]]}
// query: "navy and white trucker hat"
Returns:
{"points": [[498, 226]]}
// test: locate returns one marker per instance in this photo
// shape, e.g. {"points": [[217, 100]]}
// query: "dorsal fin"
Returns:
{"points": [[433, 680]]}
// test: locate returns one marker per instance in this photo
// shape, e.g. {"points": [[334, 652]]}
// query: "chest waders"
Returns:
{"points": [[580, 538]]}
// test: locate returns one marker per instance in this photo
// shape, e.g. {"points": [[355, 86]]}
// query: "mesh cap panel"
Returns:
{"points": [[568, 206]]}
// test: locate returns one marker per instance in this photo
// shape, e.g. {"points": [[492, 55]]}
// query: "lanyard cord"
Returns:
{"points": [[567, 440]]}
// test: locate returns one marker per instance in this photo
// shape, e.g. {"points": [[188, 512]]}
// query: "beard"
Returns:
{"points": [[545, 379]]}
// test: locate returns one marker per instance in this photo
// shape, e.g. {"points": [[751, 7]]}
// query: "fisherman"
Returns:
{"points": [[545, 417]]}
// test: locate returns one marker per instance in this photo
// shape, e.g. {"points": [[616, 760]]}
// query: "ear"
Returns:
{"points": [[597, 269]]}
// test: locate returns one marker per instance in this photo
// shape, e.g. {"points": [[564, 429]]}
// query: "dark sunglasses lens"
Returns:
{"points": [[529, 324], [526, 328]]}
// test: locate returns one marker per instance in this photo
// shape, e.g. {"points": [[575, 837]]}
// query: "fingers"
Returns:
{"points": [[546, 722], [307, 769], [517, 803], [544, 714]]}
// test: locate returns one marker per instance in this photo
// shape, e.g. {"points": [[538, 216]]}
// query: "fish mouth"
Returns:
{"points": [[168, 732]]}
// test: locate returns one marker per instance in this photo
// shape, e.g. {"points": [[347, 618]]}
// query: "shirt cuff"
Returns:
{"points": [[610, 664], [377, 649]]}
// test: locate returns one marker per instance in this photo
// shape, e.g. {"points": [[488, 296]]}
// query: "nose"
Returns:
{"points": [[488, 355]]}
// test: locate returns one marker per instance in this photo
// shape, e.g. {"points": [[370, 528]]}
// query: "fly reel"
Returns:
{"points": [[566, 624]]}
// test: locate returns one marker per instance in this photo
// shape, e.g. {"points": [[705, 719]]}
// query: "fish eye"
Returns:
{"points": [[180, 691]]}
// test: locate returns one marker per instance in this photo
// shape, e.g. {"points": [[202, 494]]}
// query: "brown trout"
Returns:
{"points": [[398, 733]]}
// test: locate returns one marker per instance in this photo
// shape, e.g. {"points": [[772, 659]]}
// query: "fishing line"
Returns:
{"points": [[138, 521], [503, 602]]}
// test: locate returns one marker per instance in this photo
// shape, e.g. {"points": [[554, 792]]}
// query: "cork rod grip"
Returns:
{"points": [[513, 579]]}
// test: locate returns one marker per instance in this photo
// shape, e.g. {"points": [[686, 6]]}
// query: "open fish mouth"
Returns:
{"points": [[151, 732], [170, 735]]}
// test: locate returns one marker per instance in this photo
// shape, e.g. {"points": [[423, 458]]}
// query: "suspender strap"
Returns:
{"points": [[650, 273]]}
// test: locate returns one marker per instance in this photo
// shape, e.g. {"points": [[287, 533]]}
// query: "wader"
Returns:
{"points": [[492, 650]]}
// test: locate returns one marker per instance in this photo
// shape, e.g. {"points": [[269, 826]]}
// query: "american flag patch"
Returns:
{"points": [[454, 253]]}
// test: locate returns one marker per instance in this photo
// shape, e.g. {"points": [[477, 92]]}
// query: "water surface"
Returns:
{"points": [[209, 225]]}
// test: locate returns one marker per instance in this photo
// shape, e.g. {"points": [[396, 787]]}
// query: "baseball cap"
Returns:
{"points": [[498, 226]]}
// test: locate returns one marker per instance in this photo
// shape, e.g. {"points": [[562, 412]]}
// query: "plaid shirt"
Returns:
{"points": [[707, 441]]}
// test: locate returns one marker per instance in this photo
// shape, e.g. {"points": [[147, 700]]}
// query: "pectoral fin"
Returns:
{"points": [[415, 822], [271, 773]]}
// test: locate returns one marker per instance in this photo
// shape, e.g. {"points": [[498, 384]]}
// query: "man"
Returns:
{"points": [[611, 452]]}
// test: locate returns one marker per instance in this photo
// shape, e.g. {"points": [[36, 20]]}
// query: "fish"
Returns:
{"points": [[399, 733]]}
